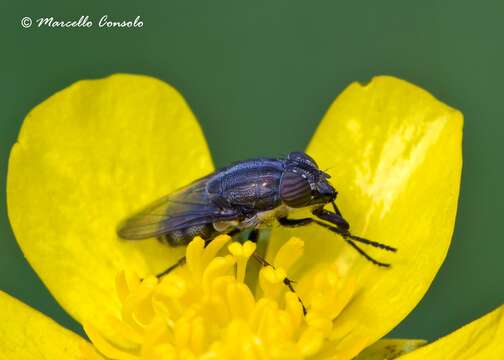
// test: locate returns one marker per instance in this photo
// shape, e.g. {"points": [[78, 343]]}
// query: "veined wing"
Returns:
{"points": [[189, 206]]}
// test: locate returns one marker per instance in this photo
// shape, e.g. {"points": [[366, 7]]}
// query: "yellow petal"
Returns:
{"points": [[388, 349], [87, 157], [481, 339], [26, 334], [394, 153]]}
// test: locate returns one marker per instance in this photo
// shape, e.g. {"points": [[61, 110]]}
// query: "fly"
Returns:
{"points": [[248, 195]]}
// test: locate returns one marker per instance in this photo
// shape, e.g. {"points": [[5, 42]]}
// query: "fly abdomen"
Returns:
{"points": [[184, 236]]}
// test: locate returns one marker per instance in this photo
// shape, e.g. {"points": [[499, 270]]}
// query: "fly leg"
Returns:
{"points": [[342, 227], [286, 280], [179, 262], [254, 235], [295, 222], [335, 218], [182, 260]]}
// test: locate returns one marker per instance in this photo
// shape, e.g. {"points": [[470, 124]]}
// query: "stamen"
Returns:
{"points": [[241, 253], [205, 310], [289, 254]]}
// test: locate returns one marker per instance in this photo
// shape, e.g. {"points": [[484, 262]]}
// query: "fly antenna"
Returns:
{"points": [[329, 168]]}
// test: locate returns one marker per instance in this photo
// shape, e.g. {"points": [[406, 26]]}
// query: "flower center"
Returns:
{"points": [[205, 310]]}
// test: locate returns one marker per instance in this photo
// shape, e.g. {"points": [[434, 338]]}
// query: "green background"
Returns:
{"points": [[259, 78]]}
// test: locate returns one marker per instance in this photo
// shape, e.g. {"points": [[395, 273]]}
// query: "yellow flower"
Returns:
{"points": [[100, 149]]}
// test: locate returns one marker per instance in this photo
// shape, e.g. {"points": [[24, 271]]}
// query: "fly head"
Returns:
{"points": [[303, 183]]}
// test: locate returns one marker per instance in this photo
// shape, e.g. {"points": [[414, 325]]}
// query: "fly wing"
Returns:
{"points": [[189, 206]]}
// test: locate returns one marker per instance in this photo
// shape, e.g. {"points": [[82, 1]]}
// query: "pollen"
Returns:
{"points": [[205, 310]]}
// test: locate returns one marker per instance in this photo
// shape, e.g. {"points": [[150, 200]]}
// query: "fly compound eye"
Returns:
{"points": [[295, 189]]}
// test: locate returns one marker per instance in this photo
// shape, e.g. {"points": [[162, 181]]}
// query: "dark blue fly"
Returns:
{"points": [[248, 195]]}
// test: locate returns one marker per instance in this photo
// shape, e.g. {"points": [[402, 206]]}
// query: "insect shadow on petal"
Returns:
{"points": [[247, 195]]}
